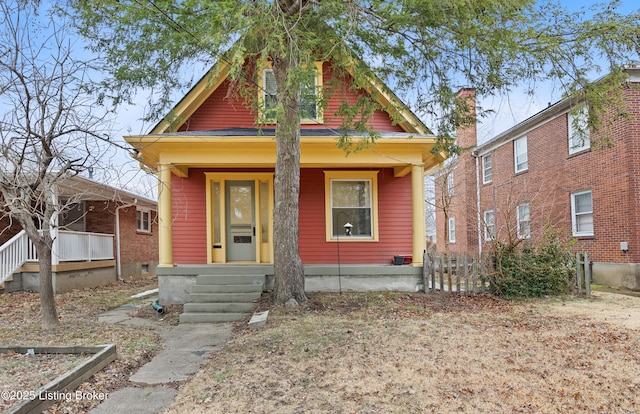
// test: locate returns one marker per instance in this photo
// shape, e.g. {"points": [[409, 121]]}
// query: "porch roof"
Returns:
{"points": [[255, 148]]}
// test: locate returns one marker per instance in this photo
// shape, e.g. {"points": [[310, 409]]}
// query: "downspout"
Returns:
{"points": [[478, 216], [118, 261]]}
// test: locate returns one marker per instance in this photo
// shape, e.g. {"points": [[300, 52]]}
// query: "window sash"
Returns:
{"points": [[351, 201], [142, 221], [487, 169], [452, 230], [523, 228], [520, 154], [489, 225], [450, 184], [308, 97], [582, 213], [578, 130]]}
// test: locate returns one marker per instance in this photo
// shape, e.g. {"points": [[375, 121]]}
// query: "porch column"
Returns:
{"points": [[418, 213], [165, 233]]}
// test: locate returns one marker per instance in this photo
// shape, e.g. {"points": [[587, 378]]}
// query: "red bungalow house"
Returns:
{"points": [[216, 169]]}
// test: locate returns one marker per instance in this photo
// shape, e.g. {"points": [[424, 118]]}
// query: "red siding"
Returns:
{"points": [[223, 109], [189, 218], [394, 217]]}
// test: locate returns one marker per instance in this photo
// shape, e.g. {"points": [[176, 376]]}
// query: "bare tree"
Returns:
{"points": [[48, 128]]}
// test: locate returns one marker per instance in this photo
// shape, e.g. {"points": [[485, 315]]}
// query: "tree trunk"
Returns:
{"points": [[47, 300], [288, 267]]}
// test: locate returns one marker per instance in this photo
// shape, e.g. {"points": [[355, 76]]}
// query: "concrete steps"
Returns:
{"points": [[222, 298]]}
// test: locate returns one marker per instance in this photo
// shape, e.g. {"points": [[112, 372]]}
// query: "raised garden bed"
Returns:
{"points": [[34, 401]]}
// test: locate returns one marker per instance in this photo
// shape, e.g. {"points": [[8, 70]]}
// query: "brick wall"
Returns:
{"points": [[610, 171], [136, 248]]}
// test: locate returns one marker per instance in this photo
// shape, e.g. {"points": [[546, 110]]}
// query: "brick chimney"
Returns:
{"points": [[467, 134]]}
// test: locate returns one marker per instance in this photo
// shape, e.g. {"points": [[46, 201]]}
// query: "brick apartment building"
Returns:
{"points": [[543, 171]]}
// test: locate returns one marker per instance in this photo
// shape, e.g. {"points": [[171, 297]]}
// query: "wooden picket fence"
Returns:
{"points": [[583, 274], [457, 273], [454, 273]]}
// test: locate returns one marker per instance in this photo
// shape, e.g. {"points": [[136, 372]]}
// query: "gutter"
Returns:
{"points": [[118, 261]]}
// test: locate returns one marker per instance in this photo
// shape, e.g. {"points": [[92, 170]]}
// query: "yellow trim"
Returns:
{"points": [[353, 175], [194, 98], [68, 266], [263, 254], [182, 152], [419, 238], [165, 218]]}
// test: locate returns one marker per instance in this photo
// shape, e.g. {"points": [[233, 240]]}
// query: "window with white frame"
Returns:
{"points": [[582, 213], [309, 110], [578, 127], [487, 169], [450, 183], [523, 219], [143, 221], [520, 156], [489, 225], [452, 230]]}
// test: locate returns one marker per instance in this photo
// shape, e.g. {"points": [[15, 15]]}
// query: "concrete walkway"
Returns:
{"points": [[185, 348]]}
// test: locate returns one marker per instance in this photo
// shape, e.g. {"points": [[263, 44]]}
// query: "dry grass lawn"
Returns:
{"points": [[78, 311], [416, 353]]}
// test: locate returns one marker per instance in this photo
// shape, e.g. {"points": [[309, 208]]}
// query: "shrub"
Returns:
{"points": [[524, 271]]}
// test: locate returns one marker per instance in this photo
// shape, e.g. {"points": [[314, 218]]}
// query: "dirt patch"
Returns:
{"points": [[415, 353]]}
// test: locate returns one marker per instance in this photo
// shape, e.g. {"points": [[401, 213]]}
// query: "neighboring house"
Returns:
{"points": [[549, 170], [105, 234], [216, 168]]}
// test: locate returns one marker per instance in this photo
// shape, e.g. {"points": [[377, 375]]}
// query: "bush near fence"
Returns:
{"points": [[457, 273]]}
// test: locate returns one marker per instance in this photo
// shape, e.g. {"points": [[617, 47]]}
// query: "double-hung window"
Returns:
{"points": [[143, 221], [487, 169], [452, 230], [578, 128], [450, 184], [520, 156], [351, 199], [309, 109], [523, 219], [489, 225], [582, 213]]}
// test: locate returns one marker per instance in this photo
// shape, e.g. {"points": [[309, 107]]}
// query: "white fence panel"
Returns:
{"points": [[81, 246]]}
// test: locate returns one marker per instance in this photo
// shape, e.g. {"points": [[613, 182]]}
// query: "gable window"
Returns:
{"points": [[351, 197], [487, 169], [143, 221], [489, 225], [452, 230], [269, 94], [309, 111], [520, 156], [578, 127], [523, 219], [582, 213]]}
